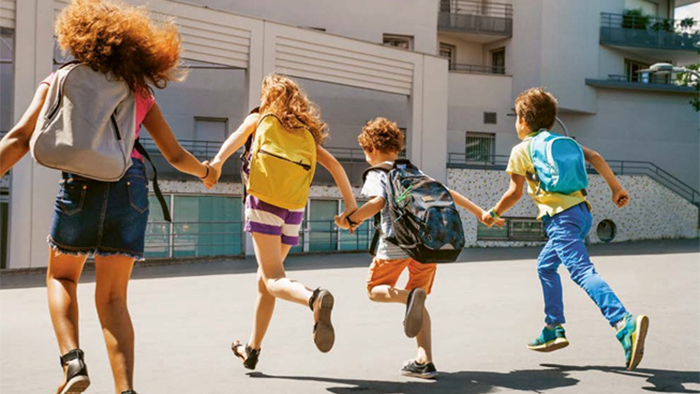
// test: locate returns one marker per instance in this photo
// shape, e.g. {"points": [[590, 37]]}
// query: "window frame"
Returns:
{"points": [[388, 39]]}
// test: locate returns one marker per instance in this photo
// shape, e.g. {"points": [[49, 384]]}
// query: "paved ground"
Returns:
{"points": [[484, 310]]}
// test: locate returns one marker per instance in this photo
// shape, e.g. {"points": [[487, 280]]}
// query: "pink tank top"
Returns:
{"points": [[143, 105]]}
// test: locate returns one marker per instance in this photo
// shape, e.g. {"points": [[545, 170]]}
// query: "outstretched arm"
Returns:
{"points": [[235, 140], [509, 199], [339, 176], [165, 140], [15, 144], [620, 196], [474, 209]]}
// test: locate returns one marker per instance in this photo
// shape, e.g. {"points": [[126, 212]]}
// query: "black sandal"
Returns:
{"points": [[250, 359], [77, 379]]}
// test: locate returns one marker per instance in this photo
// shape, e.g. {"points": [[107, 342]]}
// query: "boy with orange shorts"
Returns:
{"points": [[382, 140]]}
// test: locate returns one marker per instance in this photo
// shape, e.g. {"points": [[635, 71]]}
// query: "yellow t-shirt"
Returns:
{"points": [[520, 163]]}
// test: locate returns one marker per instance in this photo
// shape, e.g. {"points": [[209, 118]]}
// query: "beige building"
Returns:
{"points": [[447, 71]]}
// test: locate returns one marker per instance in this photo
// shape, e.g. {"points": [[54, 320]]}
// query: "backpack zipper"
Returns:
{"points": [[116, 128], [306, 167]]}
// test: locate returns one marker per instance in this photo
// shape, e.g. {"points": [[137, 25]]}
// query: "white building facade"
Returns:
{"points": [[446, 71]]}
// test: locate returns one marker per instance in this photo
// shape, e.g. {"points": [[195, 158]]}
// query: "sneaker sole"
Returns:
{"points": [[642, 322], [76, 385], [413, 322], [429, 375], [550, 346], [324, 337]]}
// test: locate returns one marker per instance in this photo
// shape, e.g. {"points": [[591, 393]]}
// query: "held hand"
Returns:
{"points": [[620, 197], [341, 222], [212, 177], [486, 219], [500, 222]]}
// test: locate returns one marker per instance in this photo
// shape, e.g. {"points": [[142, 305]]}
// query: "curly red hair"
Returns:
{"points": [[382, 135], [114, 37], [284, 98]]}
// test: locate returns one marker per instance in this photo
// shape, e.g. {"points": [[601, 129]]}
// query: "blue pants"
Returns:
{"points": [[566, 232]]}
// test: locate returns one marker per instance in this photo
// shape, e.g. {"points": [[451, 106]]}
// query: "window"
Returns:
{"points": [[498, 61], [399, 41], [516, 229], [445, 5], [449, 51], [647, 7], [202, 226], [320, 234], [490, 118], [480, 147], [7, 78]]}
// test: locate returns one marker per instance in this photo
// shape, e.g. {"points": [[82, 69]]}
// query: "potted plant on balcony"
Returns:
{"points": [[635, 19]]}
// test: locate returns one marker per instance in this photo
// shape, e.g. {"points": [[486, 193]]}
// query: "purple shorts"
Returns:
{"points": [[264, 218]]}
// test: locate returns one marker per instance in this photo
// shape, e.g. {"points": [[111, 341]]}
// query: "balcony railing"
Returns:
{"points": [[476, 17], [619, 167], [645, 81], [644, 31], [475, 68], [352, 159]]}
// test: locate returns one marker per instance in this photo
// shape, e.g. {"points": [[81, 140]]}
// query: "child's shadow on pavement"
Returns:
{"points": [[665, 381], [448, 382]]}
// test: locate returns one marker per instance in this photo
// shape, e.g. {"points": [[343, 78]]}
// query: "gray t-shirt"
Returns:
{"points": [[375, 186]]}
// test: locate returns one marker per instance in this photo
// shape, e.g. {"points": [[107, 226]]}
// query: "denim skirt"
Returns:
{"points": [[102, 218]]}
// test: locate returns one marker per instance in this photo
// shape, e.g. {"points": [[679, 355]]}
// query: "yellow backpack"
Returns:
{"points": [[282, 165]]}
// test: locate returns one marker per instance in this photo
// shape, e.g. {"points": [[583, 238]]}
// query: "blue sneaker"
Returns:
{"points": [[632, 337], [550, 339]]}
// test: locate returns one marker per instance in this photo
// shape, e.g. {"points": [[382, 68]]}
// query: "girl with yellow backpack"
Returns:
{"points": [[279, 166]]}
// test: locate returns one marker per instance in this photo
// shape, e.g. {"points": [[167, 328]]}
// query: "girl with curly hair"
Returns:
{"points": [[107, 219], [275, 229]]}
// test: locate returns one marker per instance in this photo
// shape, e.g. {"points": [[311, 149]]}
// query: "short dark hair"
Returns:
{"points": [[537, 107]]}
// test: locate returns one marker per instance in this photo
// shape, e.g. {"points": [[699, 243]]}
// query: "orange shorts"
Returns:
{"points": [[387, 272]]}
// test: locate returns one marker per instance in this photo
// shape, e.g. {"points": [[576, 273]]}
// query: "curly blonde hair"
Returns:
{"points": [[114, 37], [382, 135], [282, 97]]}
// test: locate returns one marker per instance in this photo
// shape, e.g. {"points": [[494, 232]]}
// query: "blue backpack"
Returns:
{"points": [[559, 163], [426, 223]]}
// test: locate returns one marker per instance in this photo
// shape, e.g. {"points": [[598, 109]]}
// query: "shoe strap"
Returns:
{"points": [[313, 297], [129, 392], [75, 354]]}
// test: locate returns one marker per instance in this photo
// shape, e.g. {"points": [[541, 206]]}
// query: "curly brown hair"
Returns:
{"points": [[282, 97], [114, 37], [382, 135], [537, 107]]}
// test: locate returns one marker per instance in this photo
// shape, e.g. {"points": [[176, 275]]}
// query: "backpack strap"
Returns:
{"points": [[246, 152], [159, 195], [383, 167]]}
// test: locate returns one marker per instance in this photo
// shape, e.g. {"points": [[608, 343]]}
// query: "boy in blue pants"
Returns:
{"points": [[567, 221]]}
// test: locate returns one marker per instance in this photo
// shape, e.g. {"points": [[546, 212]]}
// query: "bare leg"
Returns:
{"points": [[62, 287], [424, 341], [112, 278], [268, 251], [386, 293], [264, 307]]}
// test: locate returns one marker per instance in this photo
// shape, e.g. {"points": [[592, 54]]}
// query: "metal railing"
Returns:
{"points": [[647, 78], [645, 31], [227, 238], [475, 68], [619, 167], [476, 17]]}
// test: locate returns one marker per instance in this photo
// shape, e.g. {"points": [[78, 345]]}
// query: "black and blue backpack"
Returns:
{"points": [[426, 223]]}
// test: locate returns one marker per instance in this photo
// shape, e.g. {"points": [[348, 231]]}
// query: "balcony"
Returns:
{"points": [[485, 21], [352, 159], [643, 81], [650, 33], [477, 69]]}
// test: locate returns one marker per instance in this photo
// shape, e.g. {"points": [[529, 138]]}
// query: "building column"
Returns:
{"points": [[32, 187], [428, 129]]}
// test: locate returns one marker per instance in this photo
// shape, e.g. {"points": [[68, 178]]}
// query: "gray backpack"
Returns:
{"points": [[87, 126]]}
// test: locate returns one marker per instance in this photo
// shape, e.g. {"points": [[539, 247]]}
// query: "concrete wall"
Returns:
{"points": [[645, 126], [470, 95], [654, 212], [365, 20]]}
